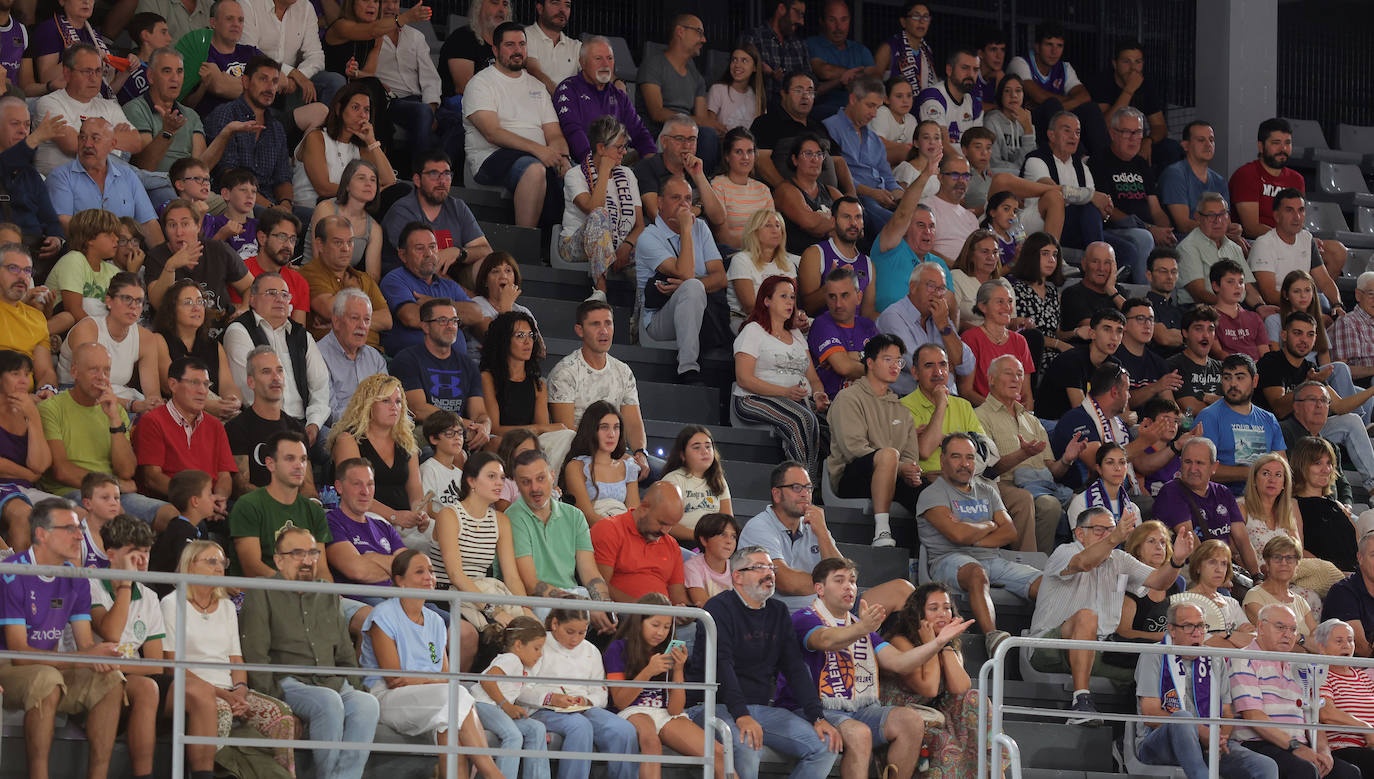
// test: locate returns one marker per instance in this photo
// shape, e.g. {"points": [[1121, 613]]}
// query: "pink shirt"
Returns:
{"points": [[1244, 334]]}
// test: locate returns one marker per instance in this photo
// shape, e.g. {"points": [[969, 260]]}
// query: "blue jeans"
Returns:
{"points": [[1133, 246], [510, 733], [1082, 226], [876, 217], [347, 715], [416, 118], [1349, 429], [582, 730], [141, 506], [1178, 744], [1344, 385], [326, 84], [784, 731]]}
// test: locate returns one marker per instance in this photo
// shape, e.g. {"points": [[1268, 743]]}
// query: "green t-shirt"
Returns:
{"points": [[83, 430], [554, 546], [259, 514], [73, 273], [145, 120]]}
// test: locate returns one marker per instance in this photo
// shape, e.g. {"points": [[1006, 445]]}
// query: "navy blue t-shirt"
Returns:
{"points": [[447, 383]]}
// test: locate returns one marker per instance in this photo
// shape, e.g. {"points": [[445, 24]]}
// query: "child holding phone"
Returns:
{"points": [[496, 700], [568, 653], [642, 651]]}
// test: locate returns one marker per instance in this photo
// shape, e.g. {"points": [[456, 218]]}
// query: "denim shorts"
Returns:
{"points": [[1015, 577], [873, 715], [505, 167]]}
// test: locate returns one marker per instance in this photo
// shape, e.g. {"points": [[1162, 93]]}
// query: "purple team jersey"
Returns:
{"points": [[835, 679], [245, 244], [652, 697], [46, 39], [91, 556], [374, 535], [826, 338], [232, 64], [43, 606], [13, 40], [1176, 504]]}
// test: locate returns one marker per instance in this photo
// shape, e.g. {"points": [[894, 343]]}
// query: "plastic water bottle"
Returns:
{"points": [[329, 498], [1017, 231]]}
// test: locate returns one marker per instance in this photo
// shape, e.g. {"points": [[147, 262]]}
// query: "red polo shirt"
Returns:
{"points": [[161, 440], [639, 567]]}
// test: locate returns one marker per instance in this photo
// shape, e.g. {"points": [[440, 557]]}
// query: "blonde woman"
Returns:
{"points": [[1144, 613], [1209, 569], [1271, 511], [376, 426], [1281, 556], [764, 254], [212, 635]]}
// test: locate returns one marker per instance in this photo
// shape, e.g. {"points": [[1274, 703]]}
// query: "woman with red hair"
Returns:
{"points": [[775, 382]]}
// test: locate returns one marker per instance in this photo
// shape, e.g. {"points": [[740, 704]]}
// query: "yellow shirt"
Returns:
{"points": [[959, 418], [22, 328]]}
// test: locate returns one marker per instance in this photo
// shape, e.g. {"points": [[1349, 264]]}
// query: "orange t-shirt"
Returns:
{"points": [[639, 567]]}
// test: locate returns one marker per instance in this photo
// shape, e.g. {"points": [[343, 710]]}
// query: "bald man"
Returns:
{"points": [[635, 551]]}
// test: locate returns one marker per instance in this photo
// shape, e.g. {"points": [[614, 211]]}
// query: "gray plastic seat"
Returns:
{"points": [[1358, 139], [1310, 146], [1126, 756], [1344, 184], [897, 511], [1324, 219], [1000, 595]]}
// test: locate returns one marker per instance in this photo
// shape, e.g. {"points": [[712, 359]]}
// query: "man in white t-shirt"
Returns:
{"points": [[590, 374], [1289, 247], [1052, 85], [79, 101], [953, 222], [513, 136], [553, 54], [952, 103]]}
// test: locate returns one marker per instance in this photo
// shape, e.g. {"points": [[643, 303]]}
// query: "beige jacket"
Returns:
{"points": [[862, 423]]}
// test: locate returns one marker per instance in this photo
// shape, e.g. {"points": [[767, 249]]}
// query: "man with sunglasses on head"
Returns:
{"points": [[1181, 685]]}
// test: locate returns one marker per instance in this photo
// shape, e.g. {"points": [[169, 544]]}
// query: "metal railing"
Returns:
{"points": [[992, 705], [711, 723]]}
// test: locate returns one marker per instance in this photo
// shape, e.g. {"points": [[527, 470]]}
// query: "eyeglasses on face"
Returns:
{"points": [[301, 554], [758, 567], [797, 487], [1190, 627], [442, 321], [18, 270]]}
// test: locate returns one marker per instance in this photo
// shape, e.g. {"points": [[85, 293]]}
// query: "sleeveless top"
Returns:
{"points": [[123, 358], [391, 482], [797, 239], [337, 155], [832, 259], [608, 490], [516, 400], [359, 241], [476, 543], [1152, 616], [1260, 533], [203, 348], [15, 448]]}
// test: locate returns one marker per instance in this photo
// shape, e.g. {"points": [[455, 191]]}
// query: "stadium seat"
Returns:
{"points": [[556, 254], [877, 564], [1126, 751], [1095, 684], [736, 421], [865, 505], [1364, 220], [1310, 146], [1343, 183], [524, 243], [1324, 219], [1358, 139], [1000, 595]]}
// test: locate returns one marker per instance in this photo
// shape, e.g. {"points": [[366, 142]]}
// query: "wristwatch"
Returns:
{"points": [[166, 135], [123, 428], [947, 330], [1294, 745]]}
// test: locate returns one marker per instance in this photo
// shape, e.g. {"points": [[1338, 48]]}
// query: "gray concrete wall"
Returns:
{"points": [[1237, 74]]}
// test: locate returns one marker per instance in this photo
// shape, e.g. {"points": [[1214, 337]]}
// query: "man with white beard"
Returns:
{"points": [[590, 93]]}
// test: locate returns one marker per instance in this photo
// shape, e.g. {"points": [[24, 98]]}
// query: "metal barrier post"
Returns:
{"points": [[454, 654], [179, 684], [1213, 711]]}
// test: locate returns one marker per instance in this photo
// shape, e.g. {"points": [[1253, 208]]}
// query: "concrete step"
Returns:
{"points": [[557, 317], [1060, 747], [548, 282], [734, 444]]}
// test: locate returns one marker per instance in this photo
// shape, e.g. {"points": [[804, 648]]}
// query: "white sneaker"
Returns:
{"points": [[993, 638], [1077, 196], [597, 294], [884, 539]]}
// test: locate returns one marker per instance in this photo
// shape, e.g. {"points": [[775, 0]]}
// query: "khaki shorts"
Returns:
{"points": [[26, 686], [1057, 661]]}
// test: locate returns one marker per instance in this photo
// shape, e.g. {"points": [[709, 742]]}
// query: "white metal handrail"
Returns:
{"points": [[992, 683], [454, 598]]}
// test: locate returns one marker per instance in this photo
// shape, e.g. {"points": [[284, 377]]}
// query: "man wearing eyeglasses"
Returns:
{"points": [[953, 222], [437, 375], [35, 612], [1081, 593], [1150, 376], [179, 435], [417, 280], [1311, 411], [1061, 163], [462, 246], [1181, 685], [1207, 244], [78, 101], [757, 648], [310, 629], [267, 322], [1274, 691], [1138, 222], [22, 326], [276, 235], [670, 84]]}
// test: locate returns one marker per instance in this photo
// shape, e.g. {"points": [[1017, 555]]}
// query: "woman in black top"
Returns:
{"points": [[513, 388], [1328, 529], [183, 330], [805, 201], [376, 425]]}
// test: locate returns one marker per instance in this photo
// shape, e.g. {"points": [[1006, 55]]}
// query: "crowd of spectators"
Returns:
{"points": [[241, 250]]}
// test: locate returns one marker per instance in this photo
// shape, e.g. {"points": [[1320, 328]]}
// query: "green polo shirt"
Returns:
{"points": [[959, 418], [554, 546]]}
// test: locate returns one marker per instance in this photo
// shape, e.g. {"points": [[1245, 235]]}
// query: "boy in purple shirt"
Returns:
{"points": [[364, 545], [844, 653], [34, 612], [838, 335]]}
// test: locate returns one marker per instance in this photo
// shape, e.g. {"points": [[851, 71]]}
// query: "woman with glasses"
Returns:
{"points": [[740, 193], [376, 426], [1350, 693], [348, 134], [1281, 556], [805, 201], [132, 347], [498, 279], [602, 212], [183, 330], [513, 387], [357, 192], [130, 252], [81, 275], [907, 55], [212, 636], [1328, 529]]}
